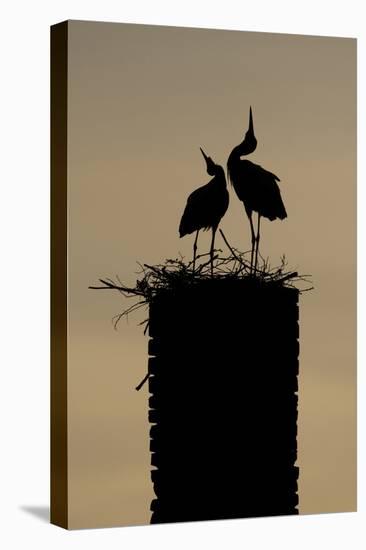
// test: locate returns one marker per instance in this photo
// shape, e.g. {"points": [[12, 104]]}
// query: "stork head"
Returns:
{"points": [[249, 143], [211, 166]]}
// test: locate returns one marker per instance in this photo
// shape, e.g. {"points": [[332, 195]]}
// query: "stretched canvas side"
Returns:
{"points": [[59, 485]]}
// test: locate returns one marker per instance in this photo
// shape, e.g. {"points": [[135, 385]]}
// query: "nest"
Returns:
{"points": [[176, 273]]}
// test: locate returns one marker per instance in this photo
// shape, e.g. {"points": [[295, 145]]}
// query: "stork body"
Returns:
{"points": [[205, 207], [256, 187]]}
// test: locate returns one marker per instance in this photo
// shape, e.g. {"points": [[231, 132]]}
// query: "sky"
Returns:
{"points": [[142, 100]]}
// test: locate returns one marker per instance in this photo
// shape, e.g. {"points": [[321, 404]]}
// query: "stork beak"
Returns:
{"points": [[249, 143], [204, 154], [251, 127]]}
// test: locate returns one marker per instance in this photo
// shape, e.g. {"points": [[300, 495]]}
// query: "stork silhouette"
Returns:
{"points": [[255, 187], [205, 207]]}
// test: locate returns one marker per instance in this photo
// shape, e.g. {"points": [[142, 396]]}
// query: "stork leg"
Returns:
{"points": [[257, 243], [212, 248], [195, 250], [253, 242]]}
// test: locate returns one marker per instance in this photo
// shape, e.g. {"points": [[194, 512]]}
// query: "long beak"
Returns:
{"points": [[251, 127], [204, 154], [249, 143]]}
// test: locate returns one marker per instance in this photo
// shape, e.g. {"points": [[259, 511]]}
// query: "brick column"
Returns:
{"points": [[223, 406]]}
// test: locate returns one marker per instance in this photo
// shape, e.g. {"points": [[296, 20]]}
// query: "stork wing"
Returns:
{"points": [[194, 210], [256, 171], [259, 191], [204, 209]]}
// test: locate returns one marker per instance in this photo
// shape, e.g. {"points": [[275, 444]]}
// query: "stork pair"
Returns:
{"points": [[254, 186]]}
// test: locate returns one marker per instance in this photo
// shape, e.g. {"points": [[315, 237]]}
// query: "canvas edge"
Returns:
{"points": [[59, 324]]}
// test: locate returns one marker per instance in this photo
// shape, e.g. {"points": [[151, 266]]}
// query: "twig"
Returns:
{"points": [[139, 386], [153, 268], [231, 250], [288, 276], [201, 266], [112, 286]]}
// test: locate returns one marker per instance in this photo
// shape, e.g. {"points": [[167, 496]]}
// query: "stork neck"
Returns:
{"points": [[235, 155], [220, 176]]}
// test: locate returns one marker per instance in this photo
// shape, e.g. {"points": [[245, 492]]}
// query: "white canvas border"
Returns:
{"points": [[25, 272]]}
